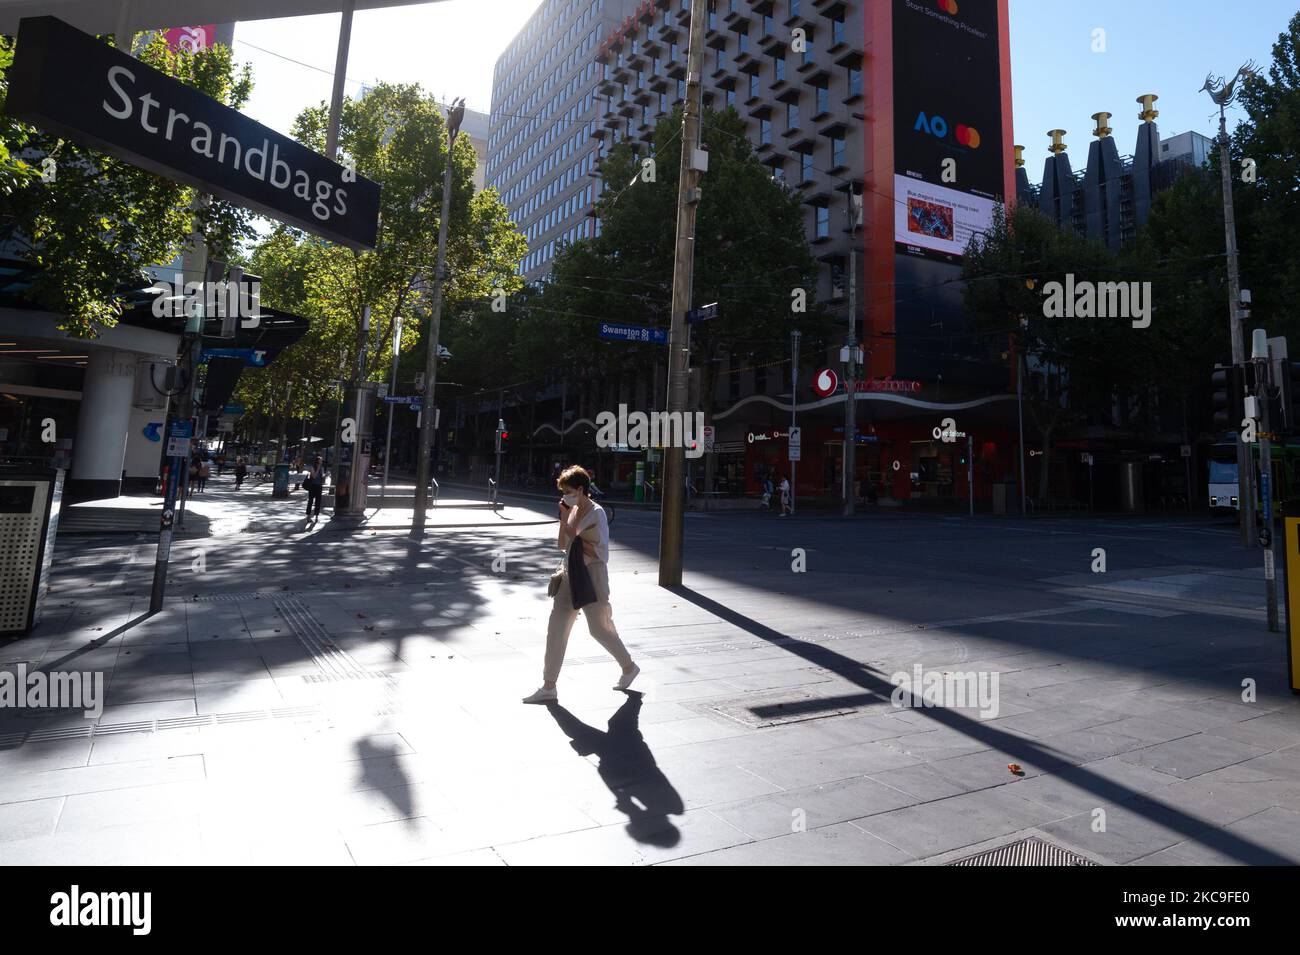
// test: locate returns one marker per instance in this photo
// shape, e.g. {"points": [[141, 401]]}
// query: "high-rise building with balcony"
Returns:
{"points": [[598, 71], [543, 102], [792, 69]]}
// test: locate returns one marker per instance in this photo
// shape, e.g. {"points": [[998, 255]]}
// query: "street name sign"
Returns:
{"points": [[633, 333], [702, 314]]}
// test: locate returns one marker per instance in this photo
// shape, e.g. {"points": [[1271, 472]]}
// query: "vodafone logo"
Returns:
{"points": [[826, 383]]}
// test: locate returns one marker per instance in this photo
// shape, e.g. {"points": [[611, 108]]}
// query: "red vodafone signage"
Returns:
{"points": [[826, 383]]}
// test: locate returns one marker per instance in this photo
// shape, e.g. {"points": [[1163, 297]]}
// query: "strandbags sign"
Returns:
{"points": [[78, 87]]}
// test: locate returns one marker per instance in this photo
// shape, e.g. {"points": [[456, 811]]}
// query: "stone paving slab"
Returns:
{"points": [[389, 731]]}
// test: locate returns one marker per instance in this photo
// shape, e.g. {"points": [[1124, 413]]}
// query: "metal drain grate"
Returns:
{"points": [[778, 707], [1031, 851], [253, 595]]}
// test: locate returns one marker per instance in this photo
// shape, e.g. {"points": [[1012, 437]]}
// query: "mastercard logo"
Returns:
{"points": [[948, 6], [968, 136]]}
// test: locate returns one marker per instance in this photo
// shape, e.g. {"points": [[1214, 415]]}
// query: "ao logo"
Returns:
{"points": [[937, 126]]}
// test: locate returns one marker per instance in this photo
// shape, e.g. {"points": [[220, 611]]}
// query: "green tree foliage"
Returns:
{"points": [[97, 222], [395, 135], [1069, 360], [750, 252], [1269, 208]]}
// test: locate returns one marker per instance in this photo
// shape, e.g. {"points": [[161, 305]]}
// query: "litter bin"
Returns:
{"points": [[280, 487], [29, 519]]}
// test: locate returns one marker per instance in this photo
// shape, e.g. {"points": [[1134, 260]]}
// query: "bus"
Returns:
{"points": [[1222, 490]]}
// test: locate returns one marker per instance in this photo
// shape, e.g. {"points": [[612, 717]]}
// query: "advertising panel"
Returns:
{"points": [[948, 152]]}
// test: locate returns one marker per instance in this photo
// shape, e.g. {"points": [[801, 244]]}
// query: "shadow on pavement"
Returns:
{"points": [[627, 767], [1034, 753]]}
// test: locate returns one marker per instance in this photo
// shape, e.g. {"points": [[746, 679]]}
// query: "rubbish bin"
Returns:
{"points": [[280, 487], [29, 519]]}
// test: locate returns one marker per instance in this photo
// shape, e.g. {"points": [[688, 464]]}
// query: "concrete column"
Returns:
{"points": [[99, 447]]}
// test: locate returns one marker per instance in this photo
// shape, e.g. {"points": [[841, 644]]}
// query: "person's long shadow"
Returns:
{"points": [[627, 767]]}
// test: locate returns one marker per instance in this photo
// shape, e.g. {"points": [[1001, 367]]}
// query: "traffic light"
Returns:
{"points": [[1229, 389], [502, 435]]}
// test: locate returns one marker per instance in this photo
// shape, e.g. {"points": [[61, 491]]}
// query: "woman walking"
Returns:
{"points": [[314, 483], [241, 470], [583, 584]]}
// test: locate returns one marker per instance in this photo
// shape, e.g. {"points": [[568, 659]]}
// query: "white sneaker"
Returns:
{"points": [[542, 696], [626, 679]]}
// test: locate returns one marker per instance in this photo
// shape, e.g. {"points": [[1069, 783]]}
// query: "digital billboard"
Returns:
{"points": [[948, 152]]}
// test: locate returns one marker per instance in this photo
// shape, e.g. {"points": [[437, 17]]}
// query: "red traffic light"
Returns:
{"points": [[505, 435]]}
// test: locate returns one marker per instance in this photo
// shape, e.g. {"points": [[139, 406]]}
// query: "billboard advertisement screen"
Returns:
{"points": [[948, 149]]}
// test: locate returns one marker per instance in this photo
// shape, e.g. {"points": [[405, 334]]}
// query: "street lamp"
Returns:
{"points": [[455, 114]]}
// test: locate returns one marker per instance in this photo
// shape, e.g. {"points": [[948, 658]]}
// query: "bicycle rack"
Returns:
{"points": [[492, 493]]}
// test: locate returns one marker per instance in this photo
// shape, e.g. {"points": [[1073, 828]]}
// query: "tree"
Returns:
{"points": [[750, 253], [1069, 360], [395, 135], [90, 223], [1268, 208]]}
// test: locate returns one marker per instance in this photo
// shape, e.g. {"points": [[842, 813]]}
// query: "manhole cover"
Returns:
{"points": [[1031, 851]]}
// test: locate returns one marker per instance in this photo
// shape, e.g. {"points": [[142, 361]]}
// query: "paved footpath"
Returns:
{"points": [[317, 695]]}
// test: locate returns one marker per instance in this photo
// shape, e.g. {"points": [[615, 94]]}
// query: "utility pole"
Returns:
{"points": [[1264, 387], [1020, 406], [850, 454], [392, 405], [794, 389], [340, 71], [1245, 460], [672, 513], [455, 114], [179, 465]]}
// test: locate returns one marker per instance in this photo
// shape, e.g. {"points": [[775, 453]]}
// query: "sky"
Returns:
{"points": [[1150, 46]]}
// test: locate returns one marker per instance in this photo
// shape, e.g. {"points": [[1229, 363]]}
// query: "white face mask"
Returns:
{"points": [[571, 499]]}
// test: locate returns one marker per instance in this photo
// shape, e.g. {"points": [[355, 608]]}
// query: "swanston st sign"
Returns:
{"points": [[78, 87]]}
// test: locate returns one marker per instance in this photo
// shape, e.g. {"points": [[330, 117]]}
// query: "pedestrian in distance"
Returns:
{"points": [[241, 471], [769, 489], [581, 583], [205, 472], [314, 483], [785, 496]]}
